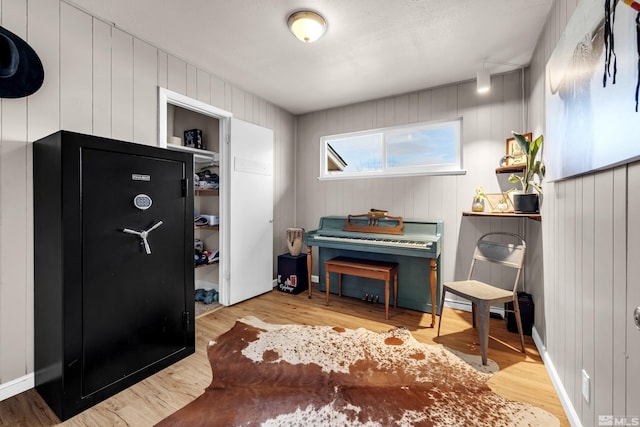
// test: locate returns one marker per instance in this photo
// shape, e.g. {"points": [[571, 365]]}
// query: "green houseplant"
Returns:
{"points": [[526, 201]]}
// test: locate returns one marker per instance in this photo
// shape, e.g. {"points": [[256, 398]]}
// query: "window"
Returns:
{"points": [[416, 149]]}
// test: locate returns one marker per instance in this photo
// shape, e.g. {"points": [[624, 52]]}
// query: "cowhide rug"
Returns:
{"points": [[292, 375]]}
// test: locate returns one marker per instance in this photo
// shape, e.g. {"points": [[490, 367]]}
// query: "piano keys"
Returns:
{"points": [[377, 241], [417, 251]]}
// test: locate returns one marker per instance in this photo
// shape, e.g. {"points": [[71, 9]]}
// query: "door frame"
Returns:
{"points": [[166, 97]]}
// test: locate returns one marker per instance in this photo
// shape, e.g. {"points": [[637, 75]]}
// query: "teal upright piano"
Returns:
{"points": [[416, 248]]}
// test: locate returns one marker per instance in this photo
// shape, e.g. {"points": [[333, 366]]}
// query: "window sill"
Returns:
{"points": [[391, 175]]}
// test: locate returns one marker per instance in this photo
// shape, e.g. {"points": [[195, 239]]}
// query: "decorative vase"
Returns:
{"points": [[478, 204], [525, 203], [295, 238]]}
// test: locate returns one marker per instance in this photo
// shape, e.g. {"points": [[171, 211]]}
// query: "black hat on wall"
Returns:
{"points": [[21, 72]]}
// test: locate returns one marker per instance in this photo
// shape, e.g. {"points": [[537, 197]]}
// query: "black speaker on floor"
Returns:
{"points": [[525, 302], [292, 273]]}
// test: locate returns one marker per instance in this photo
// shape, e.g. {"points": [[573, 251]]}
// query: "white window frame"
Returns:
{"points": [[453, 168]]}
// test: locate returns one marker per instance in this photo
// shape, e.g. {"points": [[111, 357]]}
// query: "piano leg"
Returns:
{"points": [[395, 289], [309, 269], [327, 285], [433, 284]]}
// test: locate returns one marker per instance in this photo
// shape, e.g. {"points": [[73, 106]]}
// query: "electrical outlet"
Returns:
{"points": [[585, 386]]}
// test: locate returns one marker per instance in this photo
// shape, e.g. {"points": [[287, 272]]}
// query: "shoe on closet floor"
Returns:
{"points": [[210, 296]]}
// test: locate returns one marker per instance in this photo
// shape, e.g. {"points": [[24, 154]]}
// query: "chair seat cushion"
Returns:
{"points": [[474, 289]]}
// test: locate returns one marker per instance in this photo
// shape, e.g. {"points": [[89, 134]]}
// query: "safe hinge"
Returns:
{"points": [[185, 320], [185, 187]]}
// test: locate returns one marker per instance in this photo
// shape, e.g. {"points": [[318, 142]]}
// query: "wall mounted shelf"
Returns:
{"points": [[206, 192], [536, 217], [206, 227], [510, 169]]}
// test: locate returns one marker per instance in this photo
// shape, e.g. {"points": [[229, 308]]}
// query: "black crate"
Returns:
{"points": [[292, 273], [525, 302]]}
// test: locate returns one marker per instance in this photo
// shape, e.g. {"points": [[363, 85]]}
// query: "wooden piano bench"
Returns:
{"points": [[380, 270]]}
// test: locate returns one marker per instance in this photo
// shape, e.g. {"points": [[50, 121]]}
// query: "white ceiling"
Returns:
{"points": [[372, 48]]}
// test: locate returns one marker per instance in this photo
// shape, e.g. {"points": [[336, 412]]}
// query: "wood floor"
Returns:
{"points": [[522, 377]]}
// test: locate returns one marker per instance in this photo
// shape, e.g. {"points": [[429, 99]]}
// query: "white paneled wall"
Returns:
{"points": [[632, 302], [586, 235], [98, 80], [586, 232], [487, 123]]}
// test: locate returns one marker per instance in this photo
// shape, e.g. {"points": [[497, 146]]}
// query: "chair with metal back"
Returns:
{"points": [[498, 248]]}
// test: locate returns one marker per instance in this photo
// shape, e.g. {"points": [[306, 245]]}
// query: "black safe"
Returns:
{"points": [[113, 264]]}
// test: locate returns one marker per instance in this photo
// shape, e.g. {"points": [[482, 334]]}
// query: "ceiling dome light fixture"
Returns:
{"points": [[306, 25]]}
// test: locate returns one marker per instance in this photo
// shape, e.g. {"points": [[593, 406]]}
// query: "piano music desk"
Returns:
{"points": [[364, 268]]}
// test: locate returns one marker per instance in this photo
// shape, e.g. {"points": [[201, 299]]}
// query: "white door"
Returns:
{"points": [[247, 243], [633, 292]]}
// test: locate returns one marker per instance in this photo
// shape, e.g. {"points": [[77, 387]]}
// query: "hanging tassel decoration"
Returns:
{"points": [[638, 49], [609, 54], [635, 5]]}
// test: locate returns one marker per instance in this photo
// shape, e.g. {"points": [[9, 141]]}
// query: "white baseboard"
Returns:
{"points": [[569, 410], [17, 386], [458, 305]]}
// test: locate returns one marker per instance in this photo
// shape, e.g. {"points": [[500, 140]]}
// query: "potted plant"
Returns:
{"points": [[526, 201]]}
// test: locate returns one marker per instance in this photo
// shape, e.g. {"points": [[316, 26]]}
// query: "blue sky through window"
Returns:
{"points": [[360, 153], [421, 147], [418, 148]]}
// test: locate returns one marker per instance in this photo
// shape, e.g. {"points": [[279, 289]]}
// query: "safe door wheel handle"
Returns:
{"points": [[143, 235]]}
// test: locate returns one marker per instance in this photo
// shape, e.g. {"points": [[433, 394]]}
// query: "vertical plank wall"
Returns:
{"points": [[487, 122], [102, 81], [585, 256]]}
